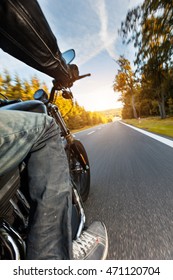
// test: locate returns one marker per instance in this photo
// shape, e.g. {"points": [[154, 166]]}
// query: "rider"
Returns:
{"points": [[26, 35]]}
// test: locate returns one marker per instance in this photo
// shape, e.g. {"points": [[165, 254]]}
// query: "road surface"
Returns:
{"points": [[131, 191]]}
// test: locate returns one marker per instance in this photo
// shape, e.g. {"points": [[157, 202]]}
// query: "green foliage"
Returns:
{"points": [[126, 83], [150, 27], [74, 115]]}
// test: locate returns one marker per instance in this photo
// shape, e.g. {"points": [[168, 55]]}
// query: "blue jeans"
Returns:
{"points": [[37, 136]]}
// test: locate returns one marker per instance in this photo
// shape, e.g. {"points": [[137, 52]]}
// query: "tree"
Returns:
{"points": [[27, 91], [17, 88], [35, 84], [74, 115], [150, 27], [126, 84], [6, 84]]}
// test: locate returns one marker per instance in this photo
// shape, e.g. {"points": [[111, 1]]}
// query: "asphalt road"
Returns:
{"points": [[131, 191]]}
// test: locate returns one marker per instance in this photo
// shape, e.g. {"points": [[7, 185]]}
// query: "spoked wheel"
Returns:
{"points": [[79, 169]]}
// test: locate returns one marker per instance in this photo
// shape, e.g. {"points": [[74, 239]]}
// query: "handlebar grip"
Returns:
{"points": [[83, 76]]}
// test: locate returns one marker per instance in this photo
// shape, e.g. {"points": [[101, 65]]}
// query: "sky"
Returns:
{"points": [[90, 27]]}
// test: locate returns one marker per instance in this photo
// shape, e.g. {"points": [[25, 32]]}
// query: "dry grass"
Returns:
{"points": [[156, 125]]}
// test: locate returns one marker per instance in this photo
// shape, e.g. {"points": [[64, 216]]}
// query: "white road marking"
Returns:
{"points": [[154, 136], [91, 132]]}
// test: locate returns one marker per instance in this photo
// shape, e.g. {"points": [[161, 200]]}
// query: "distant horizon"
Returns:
{"points": [[111, 109]]}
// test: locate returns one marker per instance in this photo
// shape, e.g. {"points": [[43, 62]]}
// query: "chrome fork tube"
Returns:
{"points": [[81, 211]]}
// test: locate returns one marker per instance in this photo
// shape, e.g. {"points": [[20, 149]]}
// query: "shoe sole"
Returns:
{"points": [[106, 245]]}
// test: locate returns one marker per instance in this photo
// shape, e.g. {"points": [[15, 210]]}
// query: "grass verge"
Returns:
{"points": [[156, 125]]}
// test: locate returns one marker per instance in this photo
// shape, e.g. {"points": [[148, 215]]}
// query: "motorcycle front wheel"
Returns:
{"points": [[79, 168]]}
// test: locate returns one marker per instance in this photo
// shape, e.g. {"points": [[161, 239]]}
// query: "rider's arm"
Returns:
{"points": [[26, 35]]}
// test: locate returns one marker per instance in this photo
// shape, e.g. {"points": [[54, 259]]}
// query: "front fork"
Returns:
{"points": [[65, 133], [78, 205], [71, 146]]}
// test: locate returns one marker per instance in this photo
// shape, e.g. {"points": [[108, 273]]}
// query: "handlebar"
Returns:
{"points": [[83, 76], [56, 86]]}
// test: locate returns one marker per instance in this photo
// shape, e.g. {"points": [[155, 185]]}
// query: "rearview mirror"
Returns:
{"points": [[68, 55]]}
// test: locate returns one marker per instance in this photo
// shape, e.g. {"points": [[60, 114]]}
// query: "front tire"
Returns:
{"points": [[80, 175]]}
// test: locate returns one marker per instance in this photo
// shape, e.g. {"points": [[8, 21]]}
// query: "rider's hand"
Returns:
{"points": [[73, 76], [74, 71]]}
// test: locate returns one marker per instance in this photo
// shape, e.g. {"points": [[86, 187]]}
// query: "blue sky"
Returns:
{"points": [[90, 27]]}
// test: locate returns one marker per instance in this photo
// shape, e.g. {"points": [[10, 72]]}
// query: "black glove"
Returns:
{"points": [[74, 72]]}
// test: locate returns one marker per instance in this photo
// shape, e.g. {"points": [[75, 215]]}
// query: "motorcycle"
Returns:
{"points": [[14, 195]]}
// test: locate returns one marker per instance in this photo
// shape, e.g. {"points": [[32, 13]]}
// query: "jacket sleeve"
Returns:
{"points": [[26, 35]]}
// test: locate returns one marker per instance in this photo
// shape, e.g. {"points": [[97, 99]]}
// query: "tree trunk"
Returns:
{"points": [[162, 106], [133, 107]]}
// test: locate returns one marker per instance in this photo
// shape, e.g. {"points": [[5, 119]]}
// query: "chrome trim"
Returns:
{"points": [[10, 244], [81, 210], [23, 200], [9, 185], [12, 240], [19, 213]]}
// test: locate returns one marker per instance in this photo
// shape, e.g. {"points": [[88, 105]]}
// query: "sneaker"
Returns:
{"points": [[92, 243]]}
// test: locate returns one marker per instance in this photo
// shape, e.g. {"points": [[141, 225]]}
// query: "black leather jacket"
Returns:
{"points": [[26, 35]]}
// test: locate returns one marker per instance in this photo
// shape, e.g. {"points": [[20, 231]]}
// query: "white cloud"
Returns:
{"points": [[89, 27], [107, 38]]}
